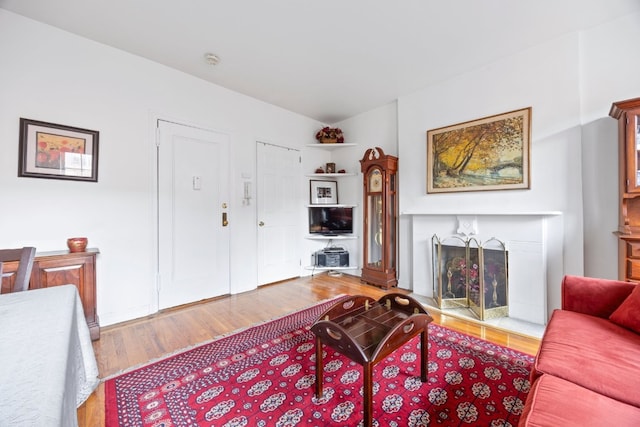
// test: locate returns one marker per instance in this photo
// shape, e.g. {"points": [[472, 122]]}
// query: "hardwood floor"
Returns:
{"points": [[136, 342]]}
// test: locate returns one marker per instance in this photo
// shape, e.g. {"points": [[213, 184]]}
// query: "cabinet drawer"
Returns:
{"points": [[633, 249], [633, 269]]}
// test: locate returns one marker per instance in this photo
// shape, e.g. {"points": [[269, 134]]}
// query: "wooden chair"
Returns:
{"points": [[24, 257]]}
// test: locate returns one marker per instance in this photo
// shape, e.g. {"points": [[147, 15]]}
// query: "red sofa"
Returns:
{"points": [[587, 370]]}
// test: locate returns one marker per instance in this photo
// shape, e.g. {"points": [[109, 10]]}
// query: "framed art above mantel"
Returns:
{"points": [[49, 150], [492, 153]]}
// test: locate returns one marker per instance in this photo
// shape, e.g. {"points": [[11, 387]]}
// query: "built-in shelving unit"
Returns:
{"points": [[329, 240]]}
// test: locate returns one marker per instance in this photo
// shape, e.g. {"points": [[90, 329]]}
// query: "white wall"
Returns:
{"points": [[545, 78], [609, 65], [375, 128], [568, 81], [600, 183], [50, 75], [54, 76]]}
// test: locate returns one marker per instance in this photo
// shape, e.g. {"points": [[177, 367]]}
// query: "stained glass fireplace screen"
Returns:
{"points": [[468, 274]]}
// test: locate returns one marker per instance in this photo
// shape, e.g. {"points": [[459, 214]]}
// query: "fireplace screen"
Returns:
{"points": [[468, 274]]}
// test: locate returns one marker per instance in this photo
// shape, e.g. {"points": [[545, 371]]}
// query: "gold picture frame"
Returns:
{"points": [[492, 153]]}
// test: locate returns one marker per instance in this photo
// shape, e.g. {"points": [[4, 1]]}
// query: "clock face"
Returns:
{"points": [[375, 181]]}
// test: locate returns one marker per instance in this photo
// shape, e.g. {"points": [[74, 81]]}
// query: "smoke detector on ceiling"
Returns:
{"points": [[211, 58]]}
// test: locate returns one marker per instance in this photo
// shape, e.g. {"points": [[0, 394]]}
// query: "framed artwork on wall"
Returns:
{"points": [[323, 192], [492, 153], [49, 150]]}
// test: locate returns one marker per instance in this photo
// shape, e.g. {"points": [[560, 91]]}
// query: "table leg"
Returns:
{"points": [[319, 367], [424, 358], [367, 392]]}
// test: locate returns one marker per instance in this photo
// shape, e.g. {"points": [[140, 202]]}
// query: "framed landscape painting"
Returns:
{"points": [[492, 153]]}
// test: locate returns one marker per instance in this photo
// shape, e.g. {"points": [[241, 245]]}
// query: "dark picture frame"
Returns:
{"points": [[492, 153], [54, 151], [323, 192]]}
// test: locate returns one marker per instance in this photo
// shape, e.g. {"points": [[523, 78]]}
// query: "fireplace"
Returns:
{"points": [[535, 245], [471, 274]]}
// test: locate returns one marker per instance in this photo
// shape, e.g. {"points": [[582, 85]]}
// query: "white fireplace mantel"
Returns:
{"points": [[534, 240]]}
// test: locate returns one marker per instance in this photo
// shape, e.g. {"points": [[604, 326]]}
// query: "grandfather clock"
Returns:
{"points": [[380, 216]]}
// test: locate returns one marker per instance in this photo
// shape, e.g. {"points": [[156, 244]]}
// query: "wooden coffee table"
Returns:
{"points": [[366, 331]]}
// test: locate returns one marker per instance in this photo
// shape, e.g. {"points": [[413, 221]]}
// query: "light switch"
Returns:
{"points": [[197, 183]]}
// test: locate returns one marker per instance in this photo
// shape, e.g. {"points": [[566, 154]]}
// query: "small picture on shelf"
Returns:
{"points": [[323, 192]]}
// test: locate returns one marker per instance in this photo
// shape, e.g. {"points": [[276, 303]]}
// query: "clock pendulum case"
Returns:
{"points": [[380, 218]]}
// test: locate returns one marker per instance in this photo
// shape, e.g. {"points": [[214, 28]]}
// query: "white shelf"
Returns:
{"points": [[330, 175], [331, 146], [341, 205], [337, 237], [313, 267]]}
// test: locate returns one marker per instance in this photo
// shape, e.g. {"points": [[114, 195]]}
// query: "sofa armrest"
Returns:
{"points": [[593, 296]]}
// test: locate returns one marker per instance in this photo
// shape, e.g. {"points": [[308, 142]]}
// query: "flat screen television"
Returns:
{"points": [[330, 221]]}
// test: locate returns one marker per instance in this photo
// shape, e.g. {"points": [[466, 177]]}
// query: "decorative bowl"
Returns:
{"points": [[77, 244]]}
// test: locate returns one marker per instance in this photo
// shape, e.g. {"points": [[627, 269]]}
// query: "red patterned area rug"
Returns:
{"points": [[265, 375]]}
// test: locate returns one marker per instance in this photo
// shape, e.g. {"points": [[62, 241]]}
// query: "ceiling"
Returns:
{"points": [[327, 60]]}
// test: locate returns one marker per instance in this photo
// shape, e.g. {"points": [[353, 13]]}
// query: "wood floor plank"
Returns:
{"points": [[135, 342]]}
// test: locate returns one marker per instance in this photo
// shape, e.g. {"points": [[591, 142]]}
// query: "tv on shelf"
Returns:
{"points": [[330, 221]]}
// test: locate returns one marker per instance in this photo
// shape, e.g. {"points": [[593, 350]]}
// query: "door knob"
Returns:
{"points": [[224, 219], [261, 223]]}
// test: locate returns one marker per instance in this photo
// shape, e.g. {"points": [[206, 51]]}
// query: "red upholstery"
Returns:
{"points": [[555, 402], [587, 368], [596, 297], [628, 314], [593, 353]]}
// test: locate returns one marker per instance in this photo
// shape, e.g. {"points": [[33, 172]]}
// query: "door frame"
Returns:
{"points": [[154, 118]]}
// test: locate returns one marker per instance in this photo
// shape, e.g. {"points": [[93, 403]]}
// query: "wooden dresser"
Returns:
{"points": [[61, 268]]}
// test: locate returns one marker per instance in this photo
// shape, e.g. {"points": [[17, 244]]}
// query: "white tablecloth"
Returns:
{"points": [[47, 364]]}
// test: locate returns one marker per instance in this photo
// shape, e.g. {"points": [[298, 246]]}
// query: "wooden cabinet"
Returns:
{"points": [[628, 115], [62, 268]]}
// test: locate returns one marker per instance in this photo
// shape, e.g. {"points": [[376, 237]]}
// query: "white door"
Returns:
{"points": [[278, 200], [193, 241]]}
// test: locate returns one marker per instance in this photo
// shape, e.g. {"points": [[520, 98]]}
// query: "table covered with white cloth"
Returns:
{"points": [[47, 364]]}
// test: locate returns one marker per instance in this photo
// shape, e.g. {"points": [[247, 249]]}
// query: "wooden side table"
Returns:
{"points": [[366, 331]]}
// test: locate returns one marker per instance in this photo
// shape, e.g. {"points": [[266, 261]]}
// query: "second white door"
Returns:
{"points": [[278, 213]]}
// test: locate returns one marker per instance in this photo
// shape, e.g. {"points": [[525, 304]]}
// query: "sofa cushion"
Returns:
{"points": [[554, 402], [628, 314], [592, 352]]}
